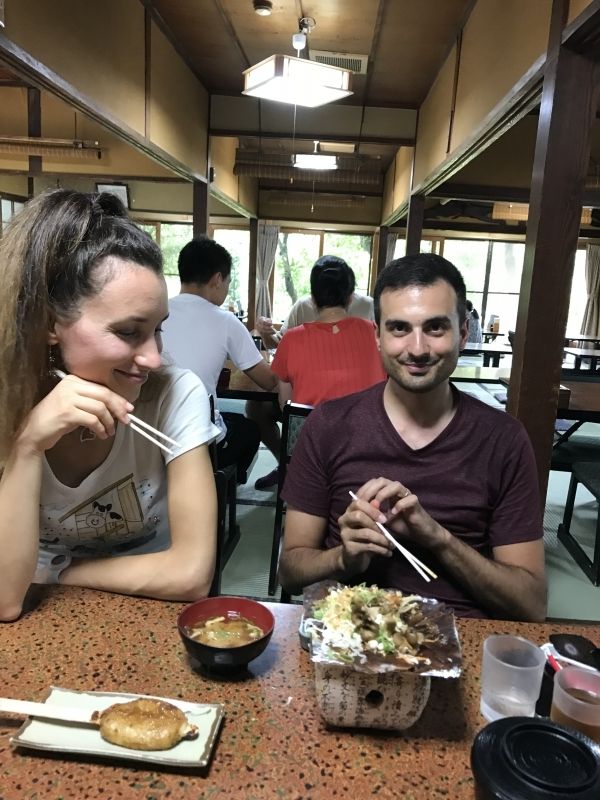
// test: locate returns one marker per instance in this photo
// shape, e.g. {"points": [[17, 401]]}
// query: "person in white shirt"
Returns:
{"points": [[85, 499], [201, 336], [304, 310]]}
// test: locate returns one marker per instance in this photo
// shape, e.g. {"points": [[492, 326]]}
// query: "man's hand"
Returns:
{"points": [[264, 326], [361, 539], [400, 511]]}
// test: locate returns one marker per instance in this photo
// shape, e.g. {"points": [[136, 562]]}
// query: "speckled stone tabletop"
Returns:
{"points": [[273, 743]]}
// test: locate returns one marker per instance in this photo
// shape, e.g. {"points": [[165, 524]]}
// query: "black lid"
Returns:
{"points": [[524, 758]]}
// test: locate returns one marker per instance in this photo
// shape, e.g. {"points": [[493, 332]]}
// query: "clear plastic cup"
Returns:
{"points": [[511, 677], [576, 700]]}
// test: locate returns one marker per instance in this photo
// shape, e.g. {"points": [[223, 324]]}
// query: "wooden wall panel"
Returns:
{"points": [[248, 193], [368, 214], [168, 198], [222, 160], [403, 175], [242, 189], [179, 106], [387, 200], [576, 7], [97, 47], [59, 120], [13, 184], [434, 121], [501, 41], [507, 162]]}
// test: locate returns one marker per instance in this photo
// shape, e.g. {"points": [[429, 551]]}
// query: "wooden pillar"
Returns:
{"points": [[34, 128], [569, 102], [382, 244], [200, 208], [252, 273], [414, 224]]}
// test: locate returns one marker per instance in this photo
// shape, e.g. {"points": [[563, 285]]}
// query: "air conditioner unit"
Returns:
{"points": [[353, 61]]}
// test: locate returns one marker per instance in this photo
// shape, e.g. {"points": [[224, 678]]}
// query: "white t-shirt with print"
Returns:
{"points": [[121, 507], [201, 336]]}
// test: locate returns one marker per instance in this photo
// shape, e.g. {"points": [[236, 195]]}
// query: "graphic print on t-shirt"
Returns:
{"points": [[111, 520]]}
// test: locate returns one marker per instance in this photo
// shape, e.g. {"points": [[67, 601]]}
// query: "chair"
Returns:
{"points": [[294, 417], [567, 452], [588, 474], [227, 535]]}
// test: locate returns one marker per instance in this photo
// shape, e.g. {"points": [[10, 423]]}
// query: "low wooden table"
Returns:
{"points": [[584, 352], [273, 745], [491, 352], [241, 387], [481, 374]]}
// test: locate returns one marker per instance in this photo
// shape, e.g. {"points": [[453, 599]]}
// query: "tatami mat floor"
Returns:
{"points": [[571, 595]]}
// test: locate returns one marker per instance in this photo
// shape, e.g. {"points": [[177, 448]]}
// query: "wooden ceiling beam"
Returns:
{"points": [[322, 137]]}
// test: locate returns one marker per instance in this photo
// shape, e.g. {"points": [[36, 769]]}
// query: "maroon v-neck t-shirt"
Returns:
{"points": [[477, 479]]}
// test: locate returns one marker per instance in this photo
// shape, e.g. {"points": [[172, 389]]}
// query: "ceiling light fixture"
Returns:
{"points": [[263, 8], [297, 81], [315, 160]]}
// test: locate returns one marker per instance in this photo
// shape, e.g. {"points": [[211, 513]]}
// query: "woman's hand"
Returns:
{"points": [[73, 403]]}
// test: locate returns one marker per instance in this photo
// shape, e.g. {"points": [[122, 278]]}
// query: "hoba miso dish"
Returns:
{"points": [[357, 621], [144, 724], [231, 630]]}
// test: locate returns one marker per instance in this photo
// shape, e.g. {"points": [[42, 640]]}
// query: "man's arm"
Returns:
{"points": [[284, 390], [512, 585], [304, 561], [262, 375]]}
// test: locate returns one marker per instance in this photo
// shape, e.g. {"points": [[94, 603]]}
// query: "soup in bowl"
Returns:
{"points": [[225, 633]]}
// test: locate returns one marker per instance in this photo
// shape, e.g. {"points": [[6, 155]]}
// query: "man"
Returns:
{"points": [[201, 336], [303, 310], [453, 479]]}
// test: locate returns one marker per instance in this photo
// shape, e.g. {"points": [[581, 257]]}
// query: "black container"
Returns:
{"points": [[524, 758]]}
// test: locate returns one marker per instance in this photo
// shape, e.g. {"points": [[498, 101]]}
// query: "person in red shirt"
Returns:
{"points": [[336, 354]]}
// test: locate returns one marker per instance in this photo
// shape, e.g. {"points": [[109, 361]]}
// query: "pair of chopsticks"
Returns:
{"points": [[421, 568], [138, 425]]}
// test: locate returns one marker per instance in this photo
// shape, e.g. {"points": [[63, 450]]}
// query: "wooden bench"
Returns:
{"points": [[588, 474]]}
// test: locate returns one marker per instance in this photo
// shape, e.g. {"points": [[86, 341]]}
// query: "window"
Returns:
{"points": [[427, 246], [173, 236], [470, 257], [237, 242], [296, 254], [8, 209], [505, 284], [355, 249], [578, 295]]}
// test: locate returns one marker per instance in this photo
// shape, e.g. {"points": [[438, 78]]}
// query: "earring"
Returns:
{"points": [[51, 359]]}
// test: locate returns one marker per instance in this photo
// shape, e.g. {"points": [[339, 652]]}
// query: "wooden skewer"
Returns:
{"points": [[45, 710]]}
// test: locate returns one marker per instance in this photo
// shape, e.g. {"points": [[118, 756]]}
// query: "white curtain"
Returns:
{"points": [[392, 238], [591, 318], [268, 236]]}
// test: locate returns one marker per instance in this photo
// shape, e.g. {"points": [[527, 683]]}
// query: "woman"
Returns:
{"points": [[84, 294], [337, 354], [475, 334]]}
